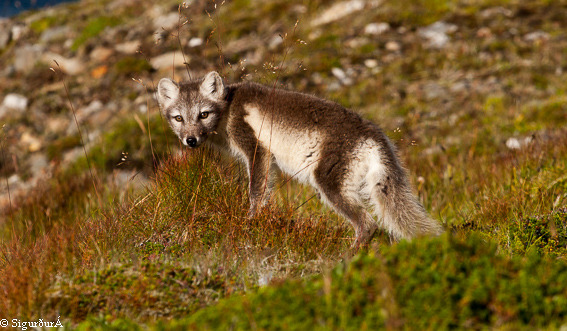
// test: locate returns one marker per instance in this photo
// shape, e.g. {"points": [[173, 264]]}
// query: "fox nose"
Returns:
{"points": [[191, 141]]}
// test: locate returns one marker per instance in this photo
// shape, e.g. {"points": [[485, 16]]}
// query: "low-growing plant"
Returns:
{"points": [[443, 283], [93, 28], [545, 235], [132, 65]]}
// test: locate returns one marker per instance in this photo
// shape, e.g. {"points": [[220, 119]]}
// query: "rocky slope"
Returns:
{"points": [[449, 76]]}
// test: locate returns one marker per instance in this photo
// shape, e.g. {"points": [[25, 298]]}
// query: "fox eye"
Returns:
{"points": [[178, 118], [204, 114]]}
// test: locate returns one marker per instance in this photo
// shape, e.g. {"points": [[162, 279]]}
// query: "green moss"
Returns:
{"points": [[93, 28], [367, 49], [418, 12], [131, 65], [148, 289], [44, 23], [540, 81], [56, 149], [550, 113]]}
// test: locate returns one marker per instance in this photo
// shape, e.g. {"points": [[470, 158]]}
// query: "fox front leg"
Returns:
{"points": [[261, 169], [258, 159]]}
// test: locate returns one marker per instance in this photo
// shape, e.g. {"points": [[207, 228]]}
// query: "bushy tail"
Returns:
{"points": [[400, 212]]}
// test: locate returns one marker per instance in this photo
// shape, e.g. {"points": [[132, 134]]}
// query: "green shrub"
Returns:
{"points": [[433, 284], [449, 283], [351, 297]]}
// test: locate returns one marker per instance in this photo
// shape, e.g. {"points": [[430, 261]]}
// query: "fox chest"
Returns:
{"points": [[296, 151]]}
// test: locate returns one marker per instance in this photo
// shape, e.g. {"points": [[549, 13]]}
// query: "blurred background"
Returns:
{"points": [[10, 7]]}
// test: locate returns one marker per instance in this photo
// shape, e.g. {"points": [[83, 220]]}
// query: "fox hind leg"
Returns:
{"points": [[364, 225], [349, 206]]}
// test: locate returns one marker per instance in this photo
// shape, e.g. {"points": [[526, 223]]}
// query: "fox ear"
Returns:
{"points": [[212, 86], [167, 92]]}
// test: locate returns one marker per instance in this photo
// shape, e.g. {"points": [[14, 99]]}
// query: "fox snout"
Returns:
{"points": [[194, 138], [191, 142]]}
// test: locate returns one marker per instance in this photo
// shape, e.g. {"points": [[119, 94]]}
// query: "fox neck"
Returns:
{"points": [[220, 138]]}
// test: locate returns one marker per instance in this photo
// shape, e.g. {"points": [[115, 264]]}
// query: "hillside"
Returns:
{"points": [[107, 221]]}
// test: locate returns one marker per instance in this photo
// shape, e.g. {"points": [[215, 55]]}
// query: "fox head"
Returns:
{"points": [[193, 109]]}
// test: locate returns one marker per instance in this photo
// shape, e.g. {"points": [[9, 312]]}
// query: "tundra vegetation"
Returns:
{"points": [[120, 227]]}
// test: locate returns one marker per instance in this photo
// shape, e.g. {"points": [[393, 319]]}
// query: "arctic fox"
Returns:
{"points": [[347, 159]]}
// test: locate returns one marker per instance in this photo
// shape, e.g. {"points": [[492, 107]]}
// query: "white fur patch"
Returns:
{"points": [[366, 170], [296, 152]]}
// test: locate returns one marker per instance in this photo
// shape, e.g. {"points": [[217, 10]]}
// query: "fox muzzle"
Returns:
{"points": [[191, 142]]}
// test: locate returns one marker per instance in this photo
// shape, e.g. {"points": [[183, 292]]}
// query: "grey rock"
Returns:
{"points": [[376, 29], [371, 63], [342, 76], [275, 42], [436, 34], [38, 164], [342, 9], [19, 30], [167, 21], [101, 54], [73, 155], [169, 60], [94, 107], [393, 46], [496, 11], [244, 44], [536, 36], [30, 142], [15, 102], [115, 5], [14, 180], [5, 33], [56, 125], [54, 34], [513, 143], [25, 57], [433, 91], [518, 143], [460, 86], [195, 42], [71, 66], [357, 42], [130, 47]]}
